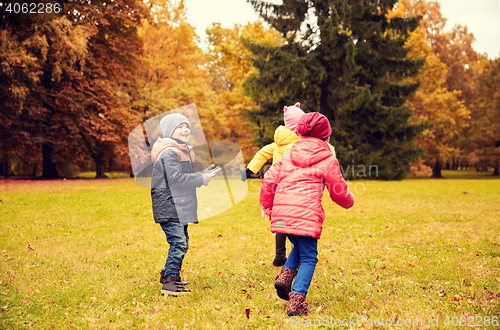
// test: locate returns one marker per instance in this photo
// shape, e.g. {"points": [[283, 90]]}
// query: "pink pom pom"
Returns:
{"points": [[297, 104]]}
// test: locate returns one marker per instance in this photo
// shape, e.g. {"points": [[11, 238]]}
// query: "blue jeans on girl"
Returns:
{"points": [[178, 238], [305, 254]]}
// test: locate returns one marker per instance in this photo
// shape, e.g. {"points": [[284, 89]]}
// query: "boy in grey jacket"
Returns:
{"points": [[173, 194]]}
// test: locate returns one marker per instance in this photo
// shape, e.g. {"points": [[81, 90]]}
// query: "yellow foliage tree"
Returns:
{"points": [[443, 111], [484, 132], [173, 72], [230, 63]]}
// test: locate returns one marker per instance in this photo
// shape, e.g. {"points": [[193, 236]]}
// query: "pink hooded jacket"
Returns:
{"points": [[293, 188]]}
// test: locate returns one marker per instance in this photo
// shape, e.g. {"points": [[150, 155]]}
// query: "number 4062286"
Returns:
{"points": [[33, 8]]}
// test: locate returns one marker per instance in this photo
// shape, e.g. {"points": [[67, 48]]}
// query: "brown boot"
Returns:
{"points": [[297, 305], [283, 283]]}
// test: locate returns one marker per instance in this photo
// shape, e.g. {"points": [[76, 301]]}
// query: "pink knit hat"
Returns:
{"points": [[292, 116]]}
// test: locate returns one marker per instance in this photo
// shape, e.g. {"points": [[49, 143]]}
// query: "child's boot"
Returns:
{"points": [[283, 283], [177, 279], [172, 287], [297, 305]]}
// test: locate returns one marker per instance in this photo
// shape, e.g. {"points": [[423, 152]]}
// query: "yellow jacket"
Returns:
{"points": [[283, 141]]}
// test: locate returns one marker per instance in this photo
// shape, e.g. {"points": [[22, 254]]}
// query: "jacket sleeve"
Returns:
{"points": [[269, 184], [175, 176], [337, 187], [332, 149], [261, 158]]}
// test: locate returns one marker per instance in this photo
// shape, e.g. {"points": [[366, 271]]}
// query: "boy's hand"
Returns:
{"points": [[211, 167], [209, 175], [206, 179]]}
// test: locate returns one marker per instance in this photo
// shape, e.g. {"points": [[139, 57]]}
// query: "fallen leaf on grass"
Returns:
{"points": [[247, 312]]}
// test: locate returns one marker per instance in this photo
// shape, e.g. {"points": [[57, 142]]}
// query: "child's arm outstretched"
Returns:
{"points": [[261, 157], [337, 187]]}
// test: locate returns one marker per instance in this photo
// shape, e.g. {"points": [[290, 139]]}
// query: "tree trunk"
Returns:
{"points": [[495, 171], [131, 171], [436, 171], [99, 170], [49, 167], [324, 108], [35, 168], [5, 166]]}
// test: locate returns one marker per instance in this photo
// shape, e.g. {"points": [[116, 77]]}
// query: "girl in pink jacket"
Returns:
{"points": [[291, 195]]}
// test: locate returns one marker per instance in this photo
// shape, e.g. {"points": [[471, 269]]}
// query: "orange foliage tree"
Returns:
{"points": [[435, 102], [230, 64], [484, 133]]}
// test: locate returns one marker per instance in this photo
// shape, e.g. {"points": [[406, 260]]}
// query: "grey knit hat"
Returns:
{"points": [[170, 122]]}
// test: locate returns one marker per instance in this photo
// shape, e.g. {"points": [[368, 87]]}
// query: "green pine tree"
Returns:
{"points": [[345, 59]]}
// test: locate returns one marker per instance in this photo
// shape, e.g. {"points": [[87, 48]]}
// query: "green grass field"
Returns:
{"points": [[87, 254]]}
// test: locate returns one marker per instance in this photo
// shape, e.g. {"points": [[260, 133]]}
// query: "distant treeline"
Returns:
{"points": [[400, 92]]}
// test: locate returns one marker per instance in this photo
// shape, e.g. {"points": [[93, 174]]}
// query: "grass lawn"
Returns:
{"points": [[87, 254]]}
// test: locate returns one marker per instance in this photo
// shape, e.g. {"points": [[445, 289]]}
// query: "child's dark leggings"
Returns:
{"points": [[280, 246]]}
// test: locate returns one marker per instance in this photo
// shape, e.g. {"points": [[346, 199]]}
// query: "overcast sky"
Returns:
{"points": [[482, 18]]}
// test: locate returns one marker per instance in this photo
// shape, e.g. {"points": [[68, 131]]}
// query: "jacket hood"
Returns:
{"points": [[284, 136], [162, 144], [309, 151], [314, 124]]}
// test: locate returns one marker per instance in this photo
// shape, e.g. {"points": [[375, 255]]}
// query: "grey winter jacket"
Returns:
{"points": [[174, 183]]}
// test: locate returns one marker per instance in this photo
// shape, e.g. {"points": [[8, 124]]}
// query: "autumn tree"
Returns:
{"points": [[172, 72], [463, 64], [485, 123], [19, 74], [442, 110], [80, 57], [347, 60], [229, 63]]}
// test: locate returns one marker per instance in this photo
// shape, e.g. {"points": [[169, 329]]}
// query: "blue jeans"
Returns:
{"points": [[305, 254], [178, 238]]}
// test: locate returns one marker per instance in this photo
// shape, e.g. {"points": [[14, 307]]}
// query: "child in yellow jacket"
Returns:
{"points": [[284, 138]]}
